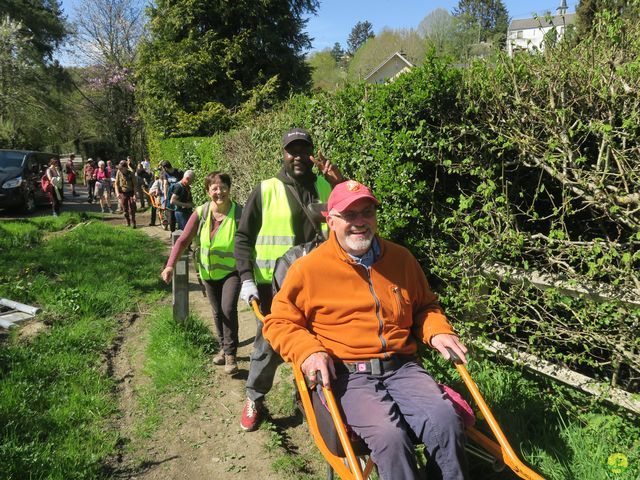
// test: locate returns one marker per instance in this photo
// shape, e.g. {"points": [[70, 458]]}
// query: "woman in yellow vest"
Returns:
{"points": [[213, 225]]}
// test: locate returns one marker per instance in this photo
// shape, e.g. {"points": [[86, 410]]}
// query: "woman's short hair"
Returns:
{"points": [[216, 176], [53, 161], [101, 163]]}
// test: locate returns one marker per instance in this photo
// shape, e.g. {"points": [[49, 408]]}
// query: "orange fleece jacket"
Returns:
{"points": [[330, 303]]}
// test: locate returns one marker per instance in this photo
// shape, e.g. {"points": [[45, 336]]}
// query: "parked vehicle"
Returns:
{"points": [[20, 174]]}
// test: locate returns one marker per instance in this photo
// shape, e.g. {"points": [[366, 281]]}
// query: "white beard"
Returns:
{"points": [[360, 245]]}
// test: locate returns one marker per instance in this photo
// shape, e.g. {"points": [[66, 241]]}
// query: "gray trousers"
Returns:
{"points": [[384, 409], [264, 360]]}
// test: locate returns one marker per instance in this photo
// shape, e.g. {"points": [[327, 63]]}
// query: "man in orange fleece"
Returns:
{"points": [[354, 309]]}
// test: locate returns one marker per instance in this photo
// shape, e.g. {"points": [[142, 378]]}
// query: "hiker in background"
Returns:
{"points": [[114, 170], [54, 189], [89, 174], [142, 180], [103, 187], [169, 176], [276, 218], [156, 191], [70, 170], [126, 191], [214, 226], [147, 166], [181, 198]]}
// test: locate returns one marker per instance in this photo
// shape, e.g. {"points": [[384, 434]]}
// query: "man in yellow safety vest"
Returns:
{"points": [[276, 217]]}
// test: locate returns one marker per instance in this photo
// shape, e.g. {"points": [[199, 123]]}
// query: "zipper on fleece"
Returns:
{"points": [[378, 306]]}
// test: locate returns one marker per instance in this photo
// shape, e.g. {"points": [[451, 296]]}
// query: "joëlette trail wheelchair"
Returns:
{"points": [[348, 456], [161, 211]]}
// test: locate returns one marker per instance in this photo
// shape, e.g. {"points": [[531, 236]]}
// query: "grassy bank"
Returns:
{"points": [[56, 395]]}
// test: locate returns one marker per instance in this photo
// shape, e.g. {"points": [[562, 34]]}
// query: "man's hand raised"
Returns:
{"points": [[330, 172], [319, 362]]}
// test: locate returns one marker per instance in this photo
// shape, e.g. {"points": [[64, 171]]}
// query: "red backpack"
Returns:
{"points": [[45, 182]]}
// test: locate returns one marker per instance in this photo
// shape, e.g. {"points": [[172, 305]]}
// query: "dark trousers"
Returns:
{"points": [[140, 194], [172, 220], [91, 187], [129, 207], [182, 217], [223, 297], [383, 409], [264, 360], [153, 215]]}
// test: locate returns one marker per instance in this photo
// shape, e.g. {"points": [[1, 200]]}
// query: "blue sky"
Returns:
{"points": [[335, 18]]}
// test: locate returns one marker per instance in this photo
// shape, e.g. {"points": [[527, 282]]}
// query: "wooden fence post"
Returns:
{"points": [[180, 284]]}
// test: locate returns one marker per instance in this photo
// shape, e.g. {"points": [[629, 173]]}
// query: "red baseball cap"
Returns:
{"points": [[346, 193]]}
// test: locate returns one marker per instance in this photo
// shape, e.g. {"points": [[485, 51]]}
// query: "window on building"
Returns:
{"points": [[519, 34]]}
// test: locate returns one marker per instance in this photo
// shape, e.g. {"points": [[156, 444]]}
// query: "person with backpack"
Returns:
{"points": [[103, 187], [276, 217], [89, 173], [52, 184], [70, 170], [169, 176], [143, 179], [181, 200], [213, 227], [157, 193], [126, 192]]}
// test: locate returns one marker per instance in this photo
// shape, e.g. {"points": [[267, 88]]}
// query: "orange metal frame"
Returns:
{"points": [[155, 202], [352, 470]]}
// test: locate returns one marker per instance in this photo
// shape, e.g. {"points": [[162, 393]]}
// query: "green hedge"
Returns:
{"points": [[461, 191]]}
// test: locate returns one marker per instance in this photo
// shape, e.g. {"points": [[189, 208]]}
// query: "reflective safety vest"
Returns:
{"points": [[276, 234], [216, 259]]}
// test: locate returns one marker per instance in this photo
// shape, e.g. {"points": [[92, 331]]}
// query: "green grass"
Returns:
{"points": [[176, 360], [560, 433], [56, 398]]}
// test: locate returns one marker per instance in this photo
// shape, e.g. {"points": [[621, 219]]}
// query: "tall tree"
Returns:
{"points": [[108, 32], [360, 33], [42, 19], [337, 52], [439, 29], [30, 79], [327, 74], [487, 19], [205, 57]]}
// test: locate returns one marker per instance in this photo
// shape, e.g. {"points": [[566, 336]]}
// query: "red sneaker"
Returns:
{"points": [[250, 415]]}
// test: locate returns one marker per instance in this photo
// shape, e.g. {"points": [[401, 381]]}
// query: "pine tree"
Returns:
{"points": [[360, 33]]}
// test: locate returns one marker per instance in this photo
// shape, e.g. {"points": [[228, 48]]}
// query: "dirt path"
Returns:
{"points": [[208, 441]]}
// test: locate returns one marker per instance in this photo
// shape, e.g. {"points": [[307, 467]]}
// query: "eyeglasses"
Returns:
{"points": [[349, 216]]}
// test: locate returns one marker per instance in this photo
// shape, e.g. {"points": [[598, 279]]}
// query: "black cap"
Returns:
{"points": [[296, 134]]}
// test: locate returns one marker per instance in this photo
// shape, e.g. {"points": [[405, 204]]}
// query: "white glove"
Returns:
{"points": [[249, 291]]}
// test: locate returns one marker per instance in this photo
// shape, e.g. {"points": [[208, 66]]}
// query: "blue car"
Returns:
{"points": [[20, 174]]}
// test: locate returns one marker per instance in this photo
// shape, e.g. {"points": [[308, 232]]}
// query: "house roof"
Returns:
{"points": [[395, 54], [542, 22]]}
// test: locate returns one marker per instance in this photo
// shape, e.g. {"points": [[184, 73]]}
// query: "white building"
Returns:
{"points": [[393, 66], [528, 34]]}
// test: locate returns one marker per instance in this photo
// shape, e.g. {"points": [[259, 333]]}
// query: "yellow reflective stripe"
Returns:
{"points": [[275, 239], [266, 263], [205, 252]]}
